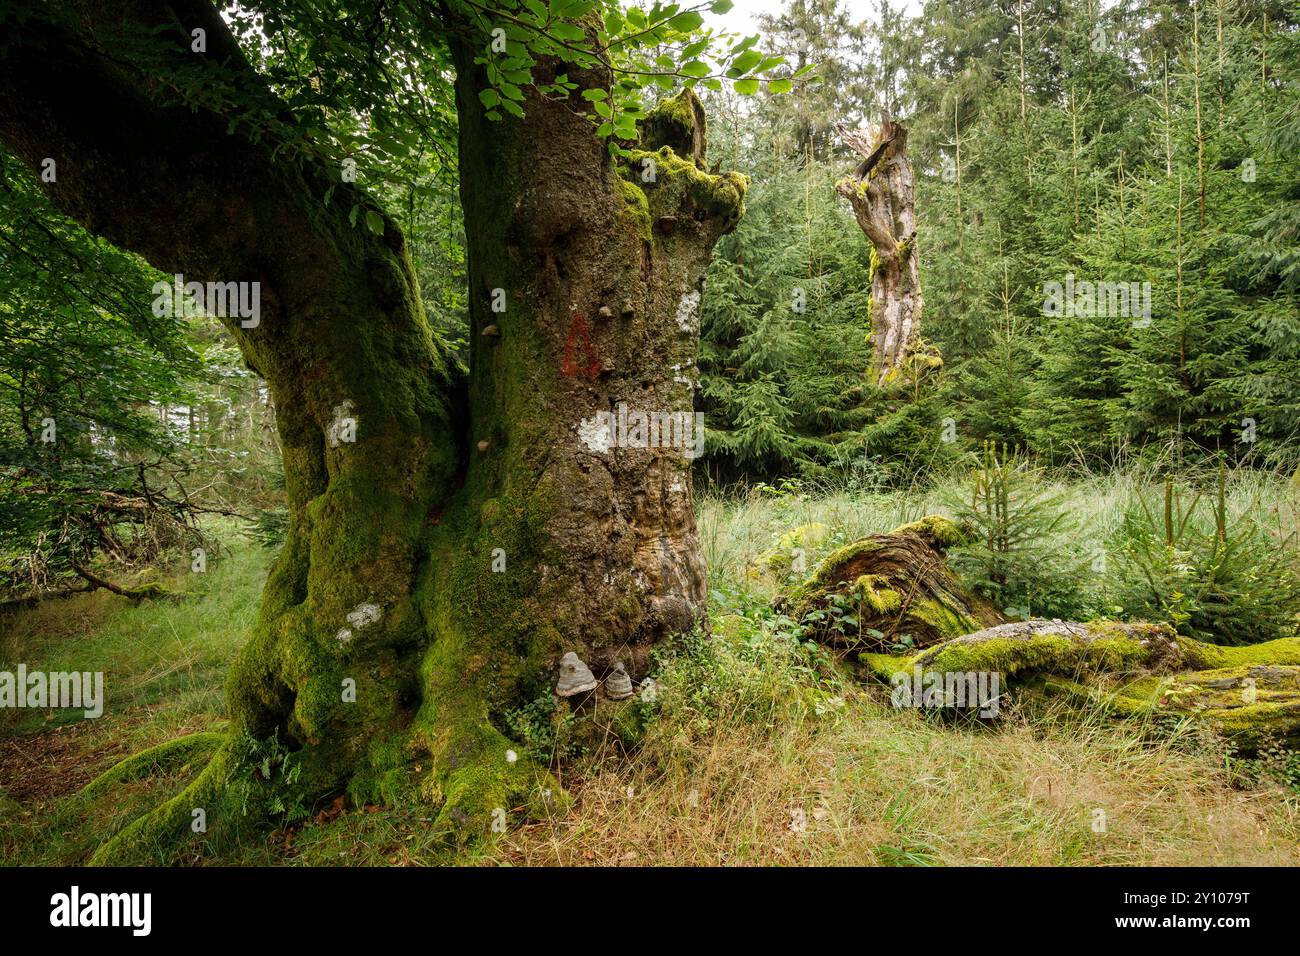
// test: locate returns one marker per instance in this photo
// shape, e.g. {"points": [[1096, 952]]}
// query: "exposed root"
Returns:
{"points": [[478, 784], [158, 836], [165, 757]]}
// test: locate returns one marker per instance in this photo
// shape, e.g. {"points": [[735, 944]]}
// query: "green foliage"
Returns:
{"points": [[264, 779], [784, 348], [1215, 576], [547, 733], [1098, 166], [1020, 554], [1274, 762], [644, 50], [88, 452]]}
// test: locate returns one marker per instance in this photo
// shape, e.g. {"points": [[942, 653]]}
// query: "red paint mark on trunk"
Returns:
{"points": [[579, 333]]}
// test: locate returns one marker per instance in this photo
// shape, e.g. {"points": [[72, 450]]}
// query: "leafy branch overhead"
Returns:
{"points": [[641, 50]]}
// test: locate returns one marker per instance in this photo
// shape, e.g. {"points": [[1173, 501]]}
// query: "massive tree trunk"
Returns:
{"points": [[882, 192], [444, 560]]}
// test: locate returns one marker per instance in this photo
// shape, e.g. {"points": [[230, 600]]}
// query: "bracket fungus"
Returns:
{"points": [[575, 676], [618, 686]]}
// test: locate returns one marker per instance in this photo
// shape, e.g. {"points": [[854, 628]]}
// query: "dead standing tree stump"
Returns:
{"points": [[882, 193]]}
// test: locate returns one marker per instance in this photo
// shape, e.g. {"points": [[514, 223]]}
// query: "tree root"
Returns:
{"points": [[157, 837], [473, 781], [166, 756], [477, 783]]}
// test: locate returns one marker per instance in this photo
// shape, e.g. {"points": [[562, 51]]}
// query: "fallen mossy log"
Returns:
{"points": [[872, 594], [868, 595], [1250, 693]]}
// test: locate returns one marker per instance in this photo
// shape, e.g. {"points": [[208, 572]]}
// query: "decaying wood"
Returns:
{"points": [[882, 193], [890, 588]]}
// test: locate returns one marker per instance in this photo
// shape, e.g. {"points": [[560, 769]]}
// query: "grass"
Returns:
{"points": [[762, 751]]}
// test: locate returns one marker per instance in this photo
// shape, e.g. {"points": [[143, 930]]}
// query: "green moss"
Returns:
{"points": [[159, 837], [1284, 650], [1051, 649], [165, 757], [804, 536], [1251, 700], [384, 776], [943, 532], [779, 558], [884, 666], [947, 620], [679, 123], [826, 575], [1249, 703], [680, 187], [874, 591], [636, 207]]}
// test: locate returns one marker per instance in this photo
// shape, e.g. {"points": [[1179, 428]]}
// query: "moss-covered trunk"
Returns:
{"points": [[437, 565], [569, 535]]}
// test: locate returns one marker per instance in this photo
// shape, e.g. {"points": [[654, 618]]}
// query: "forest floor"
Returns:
{"points": [[763, 751]]}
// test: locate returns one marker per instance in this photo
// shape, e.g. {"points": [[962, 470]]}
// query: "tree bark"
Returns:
{"points": [[472, 533], [882, 192]]}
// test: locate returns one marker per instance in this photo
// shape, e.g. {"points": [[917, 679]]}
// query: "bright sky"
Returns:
{"points": [[743, 17]]}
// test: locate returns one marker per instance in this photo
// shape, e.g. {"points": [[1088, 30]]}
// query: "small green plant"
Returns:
{"points": [[264, 780], [545, 733], [1018, 555], [269, 527], [904, 645], [1214, 577], [1274, 762]]}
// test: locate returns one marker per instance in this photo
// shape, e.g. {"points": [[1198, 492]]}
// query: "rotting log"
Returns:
{"points": [[872, 594], [1251, 694]]}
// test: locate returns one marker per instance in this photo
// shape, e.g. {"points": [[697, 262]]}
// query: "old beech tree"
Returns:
{"points": [[387, 576]]}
